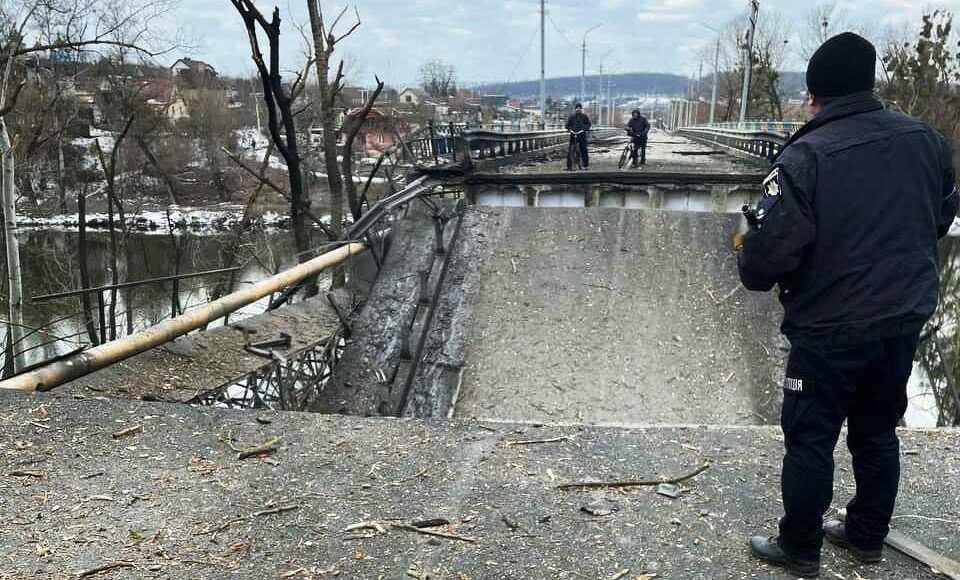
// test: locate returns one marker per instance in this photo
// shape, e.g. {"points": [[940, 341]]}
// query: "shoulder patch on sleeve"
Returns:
{"points": [[771, 185]]}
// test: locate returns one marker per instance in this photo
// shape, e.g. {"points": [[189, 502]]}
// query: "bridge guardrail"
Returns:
{"points": [[445, 146], [484, 145], [763, 143]]}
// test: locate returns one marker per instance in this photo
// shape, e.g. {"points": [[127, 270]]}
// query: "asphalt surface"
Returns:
{"points": [[174, 501]]}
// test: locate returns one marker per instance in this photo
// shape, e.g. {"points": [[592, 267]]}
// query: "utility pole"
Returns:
{"points": [[748, 68], [699, 92], [610, 101], [583, 64], [543, 63], [716, 74], [600, 96]]}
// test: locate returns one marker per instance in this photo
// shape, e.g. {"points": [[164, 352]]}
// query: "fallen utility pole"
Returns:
{"points": [[58, 373]]}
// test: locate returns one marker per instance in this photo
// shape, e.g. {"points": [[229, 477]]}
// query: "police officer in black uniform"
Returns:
{"points": [[847, 228], [638, 128]]}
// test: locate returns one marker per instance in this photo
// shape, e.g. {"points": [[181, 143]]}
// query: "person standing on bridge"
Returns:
{"points": [[638, 128], [579, 126], [847, 227]]}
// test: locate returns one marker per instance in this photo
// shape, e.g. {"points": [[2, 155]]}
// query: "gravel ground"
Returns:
{"points": [[174, 501]]}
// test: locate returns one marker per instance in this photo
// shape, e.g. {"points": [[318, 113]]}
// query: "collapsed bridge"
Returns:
{"points": [[533, 327]]}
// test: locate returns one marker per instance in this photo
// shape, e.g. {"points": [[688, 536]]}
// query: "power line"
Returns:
{"points": [[523, 54], [560, 32]]}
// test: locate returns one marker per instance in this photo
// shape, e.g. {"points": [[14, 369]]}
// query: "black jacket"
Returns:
{"points": [[577, 123], [638, 127], [853, 210]]}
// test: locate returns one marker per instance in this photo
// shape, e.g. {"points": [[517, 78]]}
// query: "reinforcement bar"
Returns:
{"points": [[57, 373]]}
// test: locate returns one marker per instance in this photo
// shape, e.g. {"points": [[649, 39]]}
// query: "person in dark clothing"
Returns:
{"points": [[847, 227], [638, 128], [579, 126]]}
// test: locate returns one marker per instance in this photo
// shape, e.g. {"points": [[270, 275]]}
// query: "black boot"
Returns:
{"points": [[768, 549], [836, 533]]}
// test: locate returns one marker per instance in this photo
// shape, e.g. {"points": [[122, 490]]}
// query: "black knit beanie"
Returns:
{"points": [[843, 65]]}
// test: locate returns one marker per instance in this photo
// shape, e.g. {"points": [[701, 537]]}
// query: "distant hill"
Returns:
{"points": [[623, 84], [569, 87]]}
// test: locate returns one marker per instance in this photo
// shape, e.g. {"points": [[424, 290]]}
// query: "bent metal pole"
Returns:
{"points": [[58, 373]]}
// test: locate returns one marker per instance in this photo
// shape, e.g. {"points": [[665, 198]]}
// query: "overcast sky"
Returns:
{"points": [[498, 40]]}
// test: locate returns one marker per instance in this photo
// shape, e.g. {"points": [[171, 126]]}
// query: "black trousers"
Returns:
{"points": [[866, 385], [581, 142], [639, 146]]}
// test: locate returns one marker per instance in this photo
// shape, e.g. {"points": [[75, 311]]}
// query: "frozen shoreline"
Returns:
{"points": [[225, 217]]}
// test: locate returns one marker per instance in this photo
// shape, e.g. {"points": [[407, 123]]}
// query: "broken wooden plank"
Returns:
{"points": [[946, 566]]}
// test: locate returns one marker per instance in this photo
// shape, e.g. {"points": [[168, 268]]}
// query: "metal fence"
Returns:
{"points": [[113, 312]]}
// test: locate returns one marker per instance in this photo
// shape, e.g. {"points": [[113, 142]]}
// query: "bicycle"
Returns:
{"points": [[573, 151], [627, 154]]}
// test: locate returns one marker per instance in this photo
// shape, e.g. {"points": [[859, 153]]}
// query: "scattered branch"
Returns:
{"points": [[263, 449], [637, 483], [105, 568]]}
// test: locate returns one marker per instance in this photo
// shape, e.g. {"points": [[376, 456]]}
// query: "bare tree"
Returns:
{"points": [[351, 126], [58, 26], [325, 42], [279, 104], [770, 44], [438, 78]]}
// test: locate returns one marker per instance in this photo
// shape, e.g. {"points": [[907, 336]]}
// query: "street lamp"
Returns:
{"points": [[583, 62], [716, 73]]}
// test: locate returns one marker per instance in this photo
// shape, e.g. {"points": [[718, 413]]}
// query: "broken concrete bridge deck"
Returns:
{"points": [[618, 316], [172, 499]]}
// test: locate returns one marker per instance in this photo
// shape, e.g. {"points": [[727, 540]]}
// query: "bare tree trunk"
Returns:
{"points": [[351, 130], [61, 186], [110, 172], [324, 44], [164, 175], [14, 270], [114, 270], [85, 303]]}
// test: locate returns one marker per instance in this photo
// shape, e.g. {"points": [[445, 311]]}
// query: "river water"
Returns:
{"points": [[50, 257]]}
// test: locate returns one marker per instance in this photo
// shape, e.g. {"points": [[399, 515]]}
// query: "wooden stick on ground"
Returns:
{"points": [[946, 566], [24, 473], [128, 431], [536, 441], [636, 483], [105, 568], [276, 510], [268, 447], [410, 528]]}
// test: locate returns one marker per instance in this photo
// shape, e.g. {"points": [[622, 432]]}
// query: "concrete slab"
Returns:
{"points": [[175, 502], [610, 315], [203, 361]]}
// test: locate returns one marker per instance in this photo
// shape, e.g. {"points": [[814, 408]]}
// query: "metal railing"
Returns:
{"points": [[115, 311], [762, 144], [485, 145], [446, 146], [781, 127]]}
